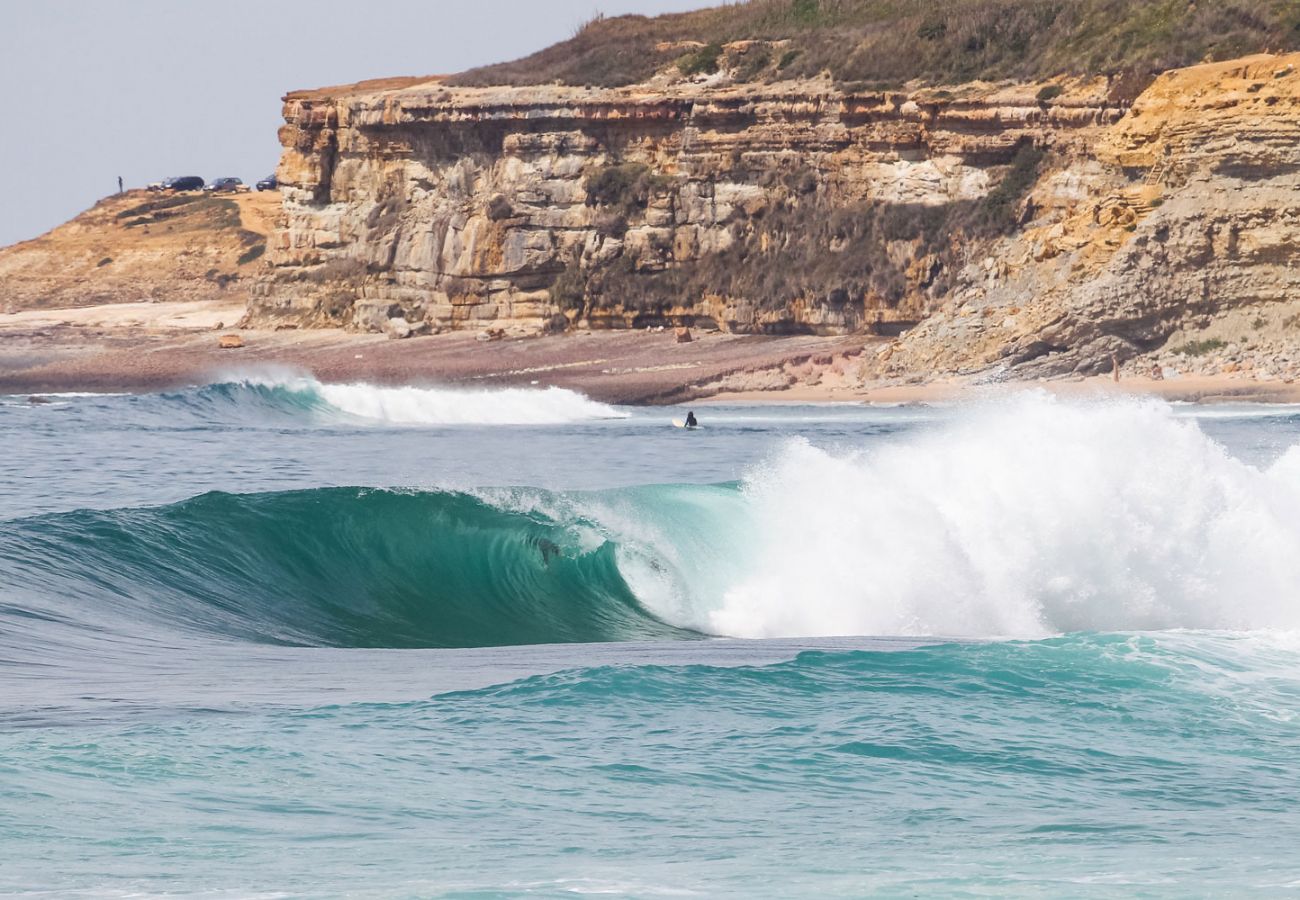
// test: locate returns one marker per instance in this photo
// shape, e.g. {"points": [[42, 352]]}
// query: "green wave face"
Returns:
{"points": [[341, 567]]}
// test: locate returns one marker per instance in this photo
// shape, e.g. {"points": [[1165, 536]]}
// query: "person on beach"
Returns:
{"points": [[690, 420]]}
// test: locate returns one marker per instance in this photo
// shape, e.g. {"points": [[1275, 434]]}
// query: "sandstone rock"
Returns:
{"points": [[719, 156], [684, 336], [1164, 218], [230, 342], [1132, 271], [397, 328]]}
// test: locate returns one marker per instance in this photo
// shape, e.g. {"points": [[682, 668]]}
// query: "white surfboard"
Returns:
{"points": [[681, 423]]}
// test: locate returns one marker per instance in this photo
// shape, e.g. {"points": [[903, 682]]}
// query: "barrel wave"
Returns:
{"points": [[1031, 519], [329, 567]]}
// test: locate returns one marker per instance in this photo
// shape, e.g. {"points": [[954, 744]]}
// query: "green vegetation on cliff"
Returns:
{"points": [[888, 42]]}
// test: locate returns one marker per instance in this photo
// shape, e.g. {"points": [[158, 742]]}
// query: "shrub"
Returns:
{"points": [[569, 290], [611, 224], [499, 208], [756, 59], [1049, 92], [1201, 348], [807, 13], [384, 215], [896, 41], [702, 62], [627, 187], [251, 254]]}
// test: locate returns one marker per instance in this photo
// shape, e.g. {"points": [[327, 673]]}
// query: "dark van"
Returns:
{"points": [[183, 183]]}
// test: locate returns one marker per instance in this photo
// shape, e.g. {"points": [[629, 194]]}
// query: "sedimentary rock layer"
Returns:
{"points": [[752, 208], [1185, 224]]}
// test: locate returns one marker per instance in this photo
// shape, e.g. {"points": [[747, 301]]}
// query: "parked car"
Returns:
{"points": [[222, 185], [180, 183], [269, 183]]}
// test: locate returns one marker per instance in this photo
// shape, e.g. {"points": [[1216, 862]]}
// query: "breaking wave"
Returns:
{"points": [[360, 401], [1027, 519]]}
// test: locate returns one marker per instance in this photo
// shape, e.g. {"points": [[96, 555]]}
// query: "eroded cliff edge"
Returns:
{"points": [[1047, 227]]}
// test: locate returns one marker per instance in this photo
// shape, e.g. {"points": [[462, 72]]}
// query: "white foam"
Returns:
{"points": [[454, 406], [442, 405], [1025, 518]]}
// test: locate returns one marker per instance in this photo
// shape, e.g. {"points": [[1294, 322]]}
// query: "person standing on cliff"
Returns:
{"points": [[120, 189]]}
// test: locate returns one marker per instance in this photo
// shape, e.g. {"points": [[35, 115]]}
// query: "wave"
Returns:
{"points": [[1025, 519], [329, 567], [288, 393]]}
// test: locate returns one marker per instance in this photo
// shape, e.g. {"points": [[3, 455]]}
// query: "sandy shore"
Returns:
{"points": [[156, 346]]}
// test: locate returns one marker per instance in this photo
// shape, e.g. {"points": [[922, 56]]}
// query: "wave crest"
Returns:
{"points": [[361, 401], [1026, 519]]}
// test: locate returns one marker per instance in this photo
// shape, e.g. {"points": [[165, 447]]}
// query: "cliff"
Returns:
{"points": [[1179, 239], [1046, 227], [766, 168], [142, 246], [787, 207]]}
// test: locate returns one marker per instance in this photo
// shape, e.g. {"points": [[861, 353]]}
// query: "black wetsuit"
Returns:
{"points": [[690, 420]]}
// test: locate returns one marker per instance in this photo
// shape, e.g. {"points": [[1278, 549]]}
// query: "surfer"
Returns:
{"points": [[690, 420]]}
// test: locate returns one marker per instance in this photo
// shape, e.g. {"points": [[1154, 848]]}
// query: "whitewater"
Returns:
{"points": [[271, 635]]}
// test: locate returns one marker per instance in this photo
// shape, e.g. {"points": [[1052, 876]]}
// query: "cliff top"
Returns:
{"points": [[892, 42], [142, 246]]}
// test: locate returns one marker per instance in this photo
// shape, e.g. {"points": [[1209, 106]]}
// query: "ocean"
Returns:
{"points": [[271, 637]]}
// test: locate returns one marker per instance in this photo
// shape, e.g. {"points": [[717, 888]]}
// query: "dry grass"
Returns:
{"points": [[888, 42]]}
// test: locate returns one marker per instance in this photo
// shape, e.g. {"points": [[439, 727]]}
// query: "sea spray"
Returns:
{"points": [[297, 393], [1021, 518], [159, 737]]}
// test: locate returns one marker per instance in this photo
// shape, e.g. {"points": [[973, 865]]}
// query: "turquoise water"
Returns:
{"points": [[270, 637]]}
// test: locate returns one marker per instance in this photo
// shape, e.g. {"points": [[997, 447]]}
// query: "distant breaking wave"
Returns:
{"points": [[300, 394], [1027, 519]]}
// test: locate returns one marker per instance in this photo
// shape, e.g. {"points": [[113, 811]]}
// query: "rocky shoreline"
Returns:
{"points": [[153, 347]]}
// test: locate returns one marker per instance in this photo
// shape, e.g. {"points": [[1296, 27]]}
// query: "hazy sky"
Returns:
{"points": [[93, 89]]}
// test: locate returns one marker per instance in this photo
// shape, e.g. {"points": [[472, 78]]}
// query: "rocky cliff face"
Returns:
{"points": [[1045, 229], [789, 207], [1180, 239]]}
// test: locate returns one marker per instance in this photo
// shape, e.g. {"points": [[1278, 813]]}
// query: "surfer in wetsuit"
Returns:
{"points": [[690, 420]]}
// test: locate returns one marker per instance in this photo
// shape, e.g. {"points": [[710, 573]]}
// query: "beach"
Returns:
{"points": [[161, 345]]}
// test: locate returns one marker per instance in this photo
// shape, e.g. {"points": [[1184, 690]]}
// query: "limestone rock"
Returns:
{"points": [[399, 195], [397, 328], [482, 208]]}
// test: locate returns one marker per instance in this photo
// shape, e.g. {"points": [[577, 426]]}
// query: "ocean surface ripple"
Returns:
{"points": [[1033, 647]]}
